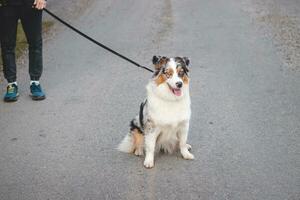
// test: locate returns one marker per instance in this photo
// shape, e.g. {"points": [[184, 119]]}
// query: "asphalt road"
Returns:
{"points": [[245, 123]]}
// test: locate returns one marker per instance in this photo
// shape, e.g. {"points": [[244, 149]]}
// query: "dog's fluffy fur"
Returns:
{"points": [[163, 120]]}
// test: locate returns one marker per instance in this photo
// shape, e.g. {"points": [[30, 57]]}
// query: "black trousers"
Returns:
{"points": [[31, 20]]}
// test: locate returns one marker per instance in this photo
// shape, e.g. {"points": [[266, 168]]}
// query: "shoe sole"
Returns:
{"points": [[38, 98], [10, 100]]}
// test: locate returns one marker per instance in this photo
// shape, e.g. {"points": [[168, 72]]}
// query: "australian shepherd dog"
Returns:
{"points": [[163, 120]]}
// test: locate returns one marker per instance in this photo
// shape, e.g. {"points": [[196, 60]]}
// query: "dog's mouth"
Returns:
{"points": [[175, 91]]}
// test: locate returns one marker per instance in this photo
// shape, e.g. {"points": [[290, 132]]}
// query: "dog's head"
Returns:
{"points": [[173, 73]]}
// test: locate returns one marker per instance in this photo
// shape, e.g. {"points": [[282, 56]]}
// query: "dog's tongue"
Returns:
{"points": [[177, 92]]}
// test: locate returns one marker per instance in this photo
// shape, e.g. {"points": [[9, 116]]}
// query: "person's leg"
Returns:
{"points": [[31, 20], [8, 26], [9, 22]]}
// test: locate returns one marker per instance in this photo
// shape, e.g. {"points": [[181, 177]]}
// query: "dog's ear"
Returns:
{"points": [[155, 60], [159, 62], [186, 61]]}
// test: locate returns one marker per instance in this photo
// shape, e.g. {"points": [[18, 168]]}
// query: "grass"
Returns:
{"points": [[22, 42]]}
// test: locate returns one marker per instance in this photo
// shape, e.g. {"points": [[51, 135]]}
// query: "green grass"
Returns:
{"points": [[21, 39]]}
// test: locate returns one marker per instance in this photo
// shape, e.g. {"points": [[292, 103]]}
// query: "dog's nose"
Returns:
{"points": [[179, 84]]}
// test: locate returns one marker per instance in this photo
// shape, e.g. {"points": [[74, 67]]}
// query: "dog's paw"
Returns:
{"points": [[189, 147], [149, 163], [139, 152], [187, 155]]}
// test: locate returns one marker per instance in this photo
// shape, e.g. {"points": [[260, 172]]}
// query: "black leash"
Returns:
{"points": [[96, 42]]}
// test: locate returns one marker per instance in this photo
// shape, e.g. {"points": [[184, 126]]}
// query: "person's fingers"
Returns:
{"points": [[34, 4], [37, 6], [40, 4], [44, 4]]}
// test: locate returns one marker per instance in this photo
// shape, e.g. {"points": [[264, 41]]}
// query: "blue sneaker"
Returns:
{"points": [[37, 92], [11, 93]]}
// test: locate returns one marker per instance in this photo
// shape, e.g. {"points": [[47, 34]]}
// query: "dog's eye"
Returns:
{"points": [[181, 73], [168, 75]]}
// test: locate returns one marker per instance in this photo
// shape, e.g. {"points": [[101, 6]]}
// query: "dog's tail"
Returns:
{"points": [[127, 144]]}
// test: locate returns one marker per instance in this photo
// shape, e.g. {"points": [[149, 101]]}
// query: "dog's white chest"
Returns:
{"points": [[169, 112]]}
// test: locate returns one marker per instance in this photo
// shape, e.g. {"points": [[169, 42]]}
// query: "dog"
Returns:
{"points": [[163, 120]]}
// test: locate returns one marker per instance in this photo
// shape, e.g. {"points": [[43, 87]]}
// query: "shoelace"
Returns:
{"points": [[10, 89], [35, 88]]}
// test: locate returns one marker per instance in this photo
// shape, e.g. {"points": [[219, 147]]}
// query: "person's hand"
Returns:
{"points": [[39, 4]]}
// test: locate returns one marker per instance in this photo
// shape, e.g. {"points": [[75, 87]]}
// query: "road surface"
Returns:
{"points": [[245, 122]]}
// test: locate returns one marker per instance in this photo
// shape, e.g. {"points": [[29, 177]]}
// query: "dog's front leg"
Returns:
{"points": [[150, 141], [184, 147]]}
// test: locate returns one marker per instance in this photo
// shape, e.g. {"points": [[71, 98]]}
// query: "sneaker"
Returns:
{"points": [[11, 93], [37, 92]]}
